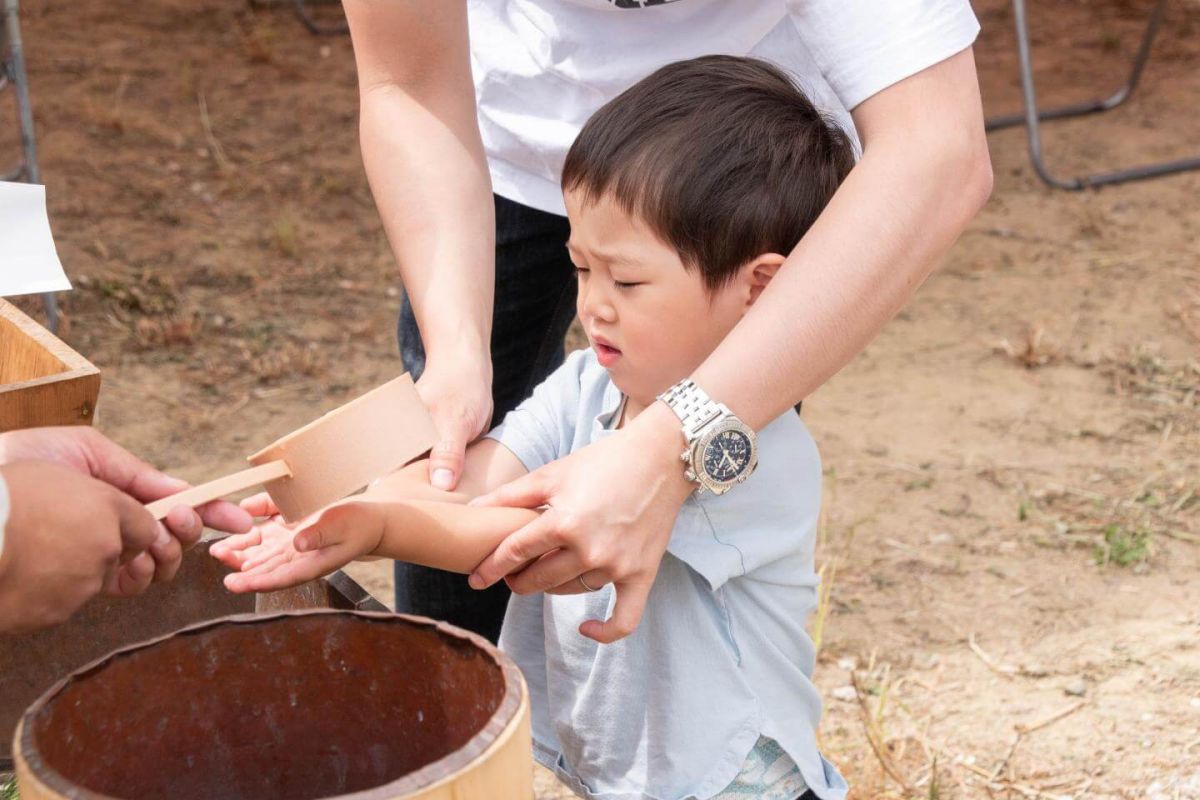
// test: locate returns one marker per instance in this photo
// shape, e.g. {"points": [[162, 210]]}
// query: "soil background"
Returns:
{"points": [[1010, 543]]}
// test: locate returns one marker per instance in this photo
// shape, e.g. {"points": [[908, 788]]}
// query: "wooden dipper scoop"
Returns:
{"points": [[331, 457]]}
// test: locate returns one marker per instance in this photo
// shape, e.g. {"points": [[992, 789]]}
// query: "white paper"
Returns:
{"points": [[28, 261]]}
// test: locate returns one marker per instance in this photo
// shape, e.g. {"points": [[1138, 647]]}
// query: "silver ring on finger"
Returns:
{"points": [[585, 586]]}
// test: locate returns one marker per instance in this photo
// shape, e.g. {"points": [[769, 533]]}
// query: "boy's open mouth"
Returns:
{"points": [[606, 354]]}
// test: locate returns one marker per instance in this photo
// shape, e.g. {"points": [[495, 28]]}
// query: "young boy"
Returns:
{"points": [[685, 194]]}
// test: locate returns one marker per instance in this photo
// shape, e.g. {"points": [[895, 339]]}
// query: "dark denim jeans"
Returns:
{"points": [[535, 303]]}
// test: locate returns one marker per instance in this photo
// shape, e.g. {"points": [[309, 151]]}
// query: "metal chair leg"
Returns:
{"points": [[27, 170], [1098, 104], [1033, 116]]}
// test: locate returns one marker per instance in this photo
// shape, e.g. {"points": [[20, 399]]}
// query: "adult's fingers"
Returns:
{"points": [[595, 580], [551, 570], [185, 525], [528, 491], [532, 541], [626, 614], [138, 528], [167, 552], [131, 578], [222, 516]]}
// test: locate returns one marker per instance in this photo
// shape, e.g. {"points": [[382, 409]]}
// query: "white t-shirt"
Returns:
{"points": [[542, 67]]}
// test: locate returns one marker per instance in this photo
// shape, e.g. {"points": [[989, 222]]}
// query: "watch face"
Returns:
{"points": [[727, 456]]}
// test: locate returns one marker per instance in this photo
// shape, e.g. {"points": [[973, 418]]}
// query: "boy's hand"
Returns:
{"points": [[276, 555]]}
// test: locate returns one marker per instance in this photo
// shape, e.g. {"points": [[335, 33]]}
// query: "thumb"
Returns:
{"points": [[447, 457], [532, 490], [329, 528]]}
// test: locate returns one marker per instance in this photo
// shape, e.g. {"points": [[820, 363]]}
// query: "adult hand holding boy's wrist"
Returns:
{"points": [[612, 506]]}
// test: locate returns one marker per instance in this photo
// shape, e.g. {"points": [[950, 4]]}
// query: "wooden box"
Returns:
{"points": [[42, 381]]}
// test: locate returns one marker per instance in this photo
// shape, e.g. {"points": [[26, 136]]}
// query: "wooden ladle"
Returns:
{"points": [[330, 457]]}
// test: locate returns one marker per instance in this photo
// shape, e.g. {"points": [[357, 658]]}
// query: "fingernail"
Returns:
{"points": [[164, 536], [475, 582], [442, 479]]}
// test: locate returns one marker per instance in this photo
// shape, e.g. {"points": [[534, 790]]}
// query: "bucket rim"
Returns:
{"points": [[507, 712]]}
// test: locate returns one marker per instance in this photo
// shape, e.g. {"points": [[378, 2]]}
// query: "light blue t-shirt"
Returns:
{"points": [[721, 656]]}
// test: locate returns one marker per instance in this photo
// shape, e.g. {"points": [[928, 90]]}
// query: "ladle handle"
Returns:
{"points": [[215, 490]]}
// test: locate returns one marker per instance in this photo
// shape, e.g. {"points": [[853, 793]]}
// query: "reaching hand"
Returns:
{"points": [[78, 525], [86, 450], [460, 403], [276, 555], [69, 537], [616, 536]]}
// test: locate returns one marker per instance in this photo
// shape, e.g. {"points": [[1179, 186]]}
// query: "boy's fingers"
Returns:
{"points": [[326, 530], [260, 505], [301, 569], [626, 613], [259, 555], [230, 549], [270, 562], [528, 491], [532, 541]]}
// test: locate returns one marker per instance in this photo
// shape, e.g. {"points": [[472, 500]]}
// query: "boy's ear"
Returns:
{"points": [[759, 272]]}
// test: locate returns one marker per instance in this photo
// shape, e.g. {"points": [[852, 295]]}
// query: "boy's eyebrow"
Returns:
{"points": [[609, 257]]}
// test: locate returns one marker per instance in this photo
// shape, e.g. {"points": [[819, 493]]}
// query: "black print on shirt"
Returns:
{"points": [[640, 3]]}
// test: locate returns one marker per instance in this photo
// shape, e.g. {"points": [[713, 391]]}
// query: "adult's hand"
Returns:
{"points": [[78, 526], [87, 451], [69, 537], [611, 508], [460, 401]]}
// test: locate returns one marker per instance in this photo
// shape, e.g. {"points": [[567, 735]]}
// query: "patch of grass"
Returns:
{"points": [[1123, 546], [8, 788], [285, 236]]}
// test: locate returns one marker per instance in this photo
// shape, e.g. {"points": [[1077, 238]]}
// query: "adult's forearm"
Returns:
{"points": [[425, 162], [921, 179], [430, 181]]}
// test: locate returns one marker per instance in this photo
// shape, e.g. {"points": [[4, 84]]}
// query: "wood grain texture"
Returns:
{"points": [[42, 380]]}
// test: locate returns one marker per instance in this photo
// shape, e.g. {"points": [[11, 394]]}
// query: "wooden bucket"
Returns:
{"points": [[42, 381], [302, 705]]}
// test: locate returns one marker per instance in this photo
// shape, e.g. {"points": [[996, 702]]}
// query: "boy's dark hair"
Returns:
{"points": [[723, 157]]}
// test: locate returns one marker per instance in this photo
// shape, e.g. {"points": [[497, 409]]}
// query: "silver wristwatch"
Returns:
{"points": [[721, 449]]}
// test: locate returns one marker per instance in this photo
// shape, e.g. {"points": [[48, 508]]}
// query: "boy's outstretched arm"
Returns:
{"points": [[400, 517], [447, 536]]}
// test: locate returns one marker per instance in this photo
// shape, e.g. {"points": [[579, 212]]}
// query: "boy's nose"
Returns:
{"points": [[594, 305]]}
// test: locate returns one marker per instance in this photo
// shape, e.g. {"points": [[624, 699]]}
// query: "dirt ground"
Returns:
{"points": [[1011, 544]]}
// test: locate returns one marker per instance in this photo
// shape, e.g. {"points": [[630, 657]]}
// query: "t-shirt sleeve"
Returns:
{"points": [[764, 529], [864, 47], [542, 428]]}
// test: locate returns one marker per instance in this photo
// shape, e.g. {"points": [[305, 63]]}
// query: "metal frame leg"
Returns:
{"points": [[301, 9], [12, 70], [1032, 115]]}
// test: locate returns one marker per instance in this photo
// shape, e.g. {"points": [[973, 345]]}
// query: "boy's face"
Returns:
{"points": [[650, 320]]}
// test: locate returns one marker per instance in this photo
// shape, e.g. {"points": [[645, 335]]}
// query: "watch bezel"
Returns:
{"points": [[701, 444]]}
